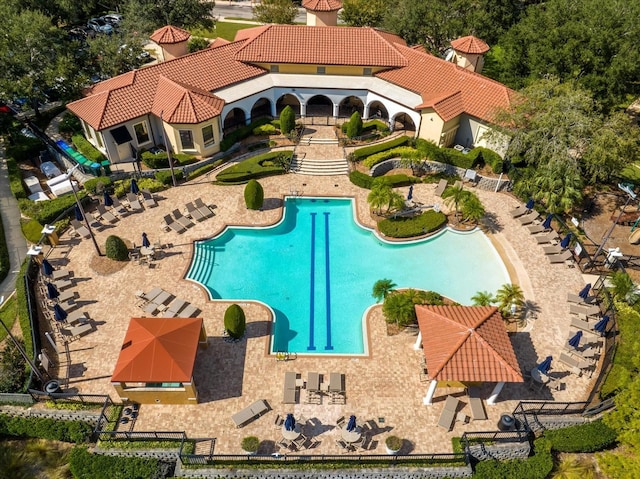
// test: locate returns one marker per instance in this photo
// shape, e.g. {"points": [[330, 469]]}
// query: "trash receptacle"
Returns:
{"points": [[95, 169], [106, 166], [52, 386], [507, 423]]}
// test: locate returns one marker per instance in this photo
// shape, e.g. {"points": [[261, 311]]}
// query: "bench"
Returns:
{"points": [[250, 413]]}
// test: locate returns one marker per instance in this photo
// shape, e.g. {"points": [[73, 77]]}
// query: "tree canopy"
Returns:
{"points": [[275, 11], [363, 13]]}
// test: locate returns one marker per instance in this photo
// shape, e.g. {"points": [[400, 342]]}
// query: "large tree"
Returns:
{"points": [[363, 13], [147, 15], [275, 11], [115, 54]]}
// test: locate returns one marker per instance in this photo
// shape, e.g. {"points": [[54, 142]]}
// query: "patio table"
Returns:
{"points": [[538, 376], [351, 436], [291, 435]]}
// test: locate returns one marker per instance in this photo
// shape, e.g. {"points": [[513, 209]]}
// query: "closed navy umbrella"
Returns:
{"points": [[601, 326], [351, 425], [58, 313], [134, 186], [584, 292], [47, 269], [530, 204], [145, 240], [547, 222], [107, 199], [52, 291], [79, 215], [574, 341], [545, 365], [565, 241], [410, 194], [289, 422]]}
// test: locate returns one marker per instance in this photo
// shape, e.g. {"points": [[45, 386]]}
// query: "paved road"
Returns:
{"points": [[16, 243], [242, 9]]}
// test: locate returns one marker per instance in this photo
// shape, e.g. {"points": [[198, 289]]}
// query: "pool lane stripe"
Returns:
{"points": [[327, 280], [312, 282]]}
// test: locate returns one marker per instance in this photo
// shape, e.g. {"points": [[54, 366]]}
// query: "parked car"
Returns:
{"points": [[50, 170], [80, 34], [113, 19], [100, 26]]}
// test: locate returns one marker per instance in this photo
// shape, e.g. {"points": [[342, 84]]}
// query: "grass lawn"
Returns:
{"points": [[224, 30], [8, 314]]}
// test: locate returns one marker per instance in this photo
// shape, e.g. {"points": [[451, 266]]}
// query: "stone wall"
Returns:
{"points": [[166, 455], [60, 414], [512, 450]]}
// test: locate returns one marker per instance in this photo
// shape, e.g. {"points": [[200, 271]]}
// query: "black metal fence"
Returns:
{"points": [[494, 437]]}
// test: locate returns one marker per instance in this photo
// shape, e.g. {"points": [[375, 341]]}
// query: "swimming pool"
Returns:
{"points": [[316, 269]]}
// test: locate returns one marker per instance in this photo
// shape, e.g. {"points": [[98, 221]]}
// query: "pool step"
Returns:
{"points": [[309, 166]]}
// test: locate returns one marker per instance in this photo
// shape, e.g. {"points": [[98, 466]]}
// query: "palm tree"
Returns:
{"points": [[396, 202], [454, 195], [571, 468], [483, 298], [379, 197], [507, 295], [382, 288], [622, 285], [471, 208], [399, 308]]}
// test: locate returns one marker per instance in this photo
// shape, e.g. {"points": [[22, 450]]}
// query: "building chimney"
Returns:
{"points": [[172, 41], [322, 13], [468, 53]]}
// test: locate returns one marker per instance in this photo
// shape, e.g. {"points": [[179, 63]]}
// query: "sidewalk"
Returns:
{"points": [[16, 243]]}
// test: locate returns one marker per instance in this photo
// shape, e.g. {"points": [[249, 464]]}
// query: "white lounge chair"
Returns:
{"points": [[134, 203], [552, 249], [547, 238], [194, 212], [560, 257], [207, 211], [442, 185], [80, 229], [529, 218], [148, 199]]}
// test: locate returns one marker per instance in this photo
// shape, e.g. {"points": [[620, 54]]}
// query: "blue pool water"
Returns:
{"points": [[317, 267]]}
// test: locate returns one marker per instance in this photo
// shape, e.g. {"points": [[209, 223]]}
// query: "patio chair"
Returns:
{"points": [[75, 332], [106, 215], [174, 225], [279, 421], [341, 422], [77, 317], [442, 185], [176, 306], [529, 218], [343, 445], [63, 284], [207, 211], [66, 296], [194, 212], [574, 365], [583, 325], [586, 309], [60, 274], [560, 257], [134, 202], [148, 199], [183, 220], [300, 441], [477, 409], [80, 229]]}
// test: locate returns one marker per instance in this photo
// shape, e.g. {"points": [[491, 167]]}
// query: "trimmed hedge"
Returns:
{"points": [[366, 181], [399, 152], [267, 129], [15, 179], [116, 249], [491, 158], [46, 212], [404, 227], [253, 195], [84, 465], [457, 158], [379, 125], [362, 153], [164, 177], [92, 185], [241, 133], [256, 167], [538, 466], [23, 311], [161, 160], [45, 428], [31, 230], [87, 149], [589, 437], [5, 263], [235, 322], [22, 148]]}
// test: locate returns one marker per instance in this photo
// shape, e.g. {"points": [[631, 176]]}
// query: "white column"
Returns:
{"points": [[428, 399], [303, 109], [494, 394], [274, 112], [418, 344], [365, 113], [336, 109]]}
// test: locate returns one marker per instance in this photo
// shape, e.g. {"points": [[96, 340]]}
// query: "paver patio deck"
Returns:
{"points": [[384, 387]]}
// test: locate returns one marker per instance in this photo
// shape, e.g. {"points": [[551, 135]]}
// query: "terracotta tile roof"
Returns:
{"points": [[435, 79], [170, 34], [467, 343], [448, 106], [322, 46], [470, 44], [219, 42], [177, 103], [322, 5], [134, 96], [158, 350]]}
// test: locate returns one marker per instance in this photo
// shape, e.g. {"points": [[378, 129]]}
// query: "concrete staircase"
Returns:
{"points": [[320, 153], [308, 166]]}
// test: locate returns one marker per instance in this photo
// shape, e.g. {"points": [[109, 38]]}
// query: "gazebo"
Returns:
{"points": [[157, 359], [465, 345]]}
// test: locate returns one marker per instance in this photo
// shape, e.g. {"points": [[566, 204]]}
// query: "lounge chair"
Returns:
{"points": [[118, 207], [76, 331], [477, 409], [190, 311], [183, 220], [442, 185], [583, 324], [174, 225], [535, 229], [175, 307], [561, 257], [448, 415], [148, 199], [194, 212], [106, 215], [250, 413], [575, 365], [66, 296], [80, 229], [575, 298], [63, 284], [518, 211], [207, 211], [529, 218], [134, 202], [546, 238], [60, 274], [552, 249], [151, 295], [77, 317], [584, 309]]}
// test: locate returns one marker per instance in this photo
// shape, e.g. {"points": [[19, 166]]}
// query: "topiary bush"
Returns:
{"points": [[589, 437], [354, 126], [116, 249], [164, 177], [405, 227], [253, 195], [287, 120], [362, 153], [97, 185], [267, 164], [250, 444], [235, 322]]}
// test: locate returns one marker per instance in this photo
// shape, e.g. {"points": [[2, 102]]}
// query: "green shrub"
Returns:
{"points": [[405, 227], [15, 179], [379, 125], [96, 185], [354, 127], [235, 322], [116, 249], [164, 177], [12, 368], [362, 153], [32, 230], [267, 164], [287, 120], [537, 466], [22, 148], [47, 212], [400, 152], [267, 129], [45, 428], [195, 44], [84, 465], [250, 443], [366, 181], [253, 195], [241, 133], [70, 124], [5, 263], [203, 170], [451, 156], [87, 149], [23, 310], [489, 157], [589, 437], [161, 160]]}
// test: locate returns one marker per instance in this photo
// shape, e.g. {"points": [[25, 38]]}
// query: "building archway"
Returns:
{"points": [[349, 106], [378, 110], [260, 109], [288, 100], [319, 105], [234, 119], [402, 121]]}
